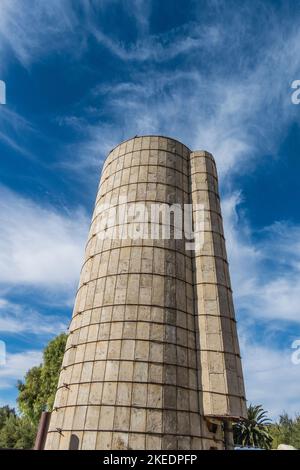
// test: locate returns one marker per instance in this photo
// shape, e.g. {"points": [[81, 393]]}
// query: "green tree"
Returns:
{"points": [[255, 430], [53, 356], [286, 431], [5, 412], [37, 392], [30, 399], [17, 433]]}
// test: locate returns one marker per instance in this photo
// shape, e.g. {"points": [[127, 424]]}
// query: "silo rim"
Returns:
{"points": [[149, 135]]}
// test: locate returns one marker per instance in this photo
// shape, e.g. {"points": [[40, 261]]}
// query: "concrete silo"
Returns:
{"points": [[152, 360]]}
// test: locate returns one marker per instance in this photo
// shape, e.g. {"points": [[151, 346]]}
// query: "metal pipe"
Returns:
{"points": [[42, 431]]}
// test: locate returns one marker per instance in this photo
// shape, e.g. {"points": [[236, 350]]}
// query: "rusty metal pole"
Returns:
{"points": [[42, 431], [228, 435]]}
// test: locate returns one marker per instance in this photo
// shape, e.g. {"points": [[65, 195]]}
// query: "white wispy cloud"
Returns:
{"points": [[39, 245], [160, 48], [265, 273], [271, 378], [32, 28], [15, 129], [18, 319], [231, 115], [230, 112], [17, 364], [265, 278]]}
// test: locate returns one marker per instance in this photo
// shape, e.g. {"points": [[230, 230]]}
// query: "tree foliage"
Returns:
{"points": [[255, 430], [36, 394], [258, 431], [6, 412], [17, 433], [286, 431]]}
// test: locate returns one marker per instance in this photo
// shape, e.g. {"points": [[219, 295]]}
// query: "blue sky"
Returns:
{"points": [[83, 75]]}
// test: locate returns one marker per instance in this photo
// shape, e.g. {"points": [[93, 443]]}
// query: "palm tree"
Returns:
{"points": [[254, 431]]}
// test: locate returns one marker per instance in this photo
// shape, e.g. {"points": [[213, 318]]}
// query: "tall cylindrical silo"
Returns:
{"points": [[220, 371], [138, 371]]}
